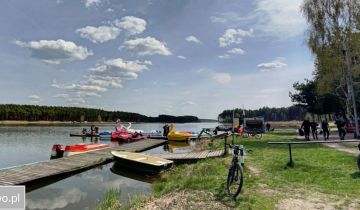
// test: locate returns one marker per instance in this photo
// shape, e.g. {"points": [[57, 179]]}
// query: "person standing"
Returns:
{"points": [[165, 130], [306, 126], [268, 127], [314, 126], [325, 129]]}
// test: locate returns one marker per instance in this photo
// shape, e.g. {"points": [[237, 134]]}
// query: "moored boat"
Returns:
{"points": [[83, 148], [105, 134], [142, 162], [178, 136], [59, 150]]}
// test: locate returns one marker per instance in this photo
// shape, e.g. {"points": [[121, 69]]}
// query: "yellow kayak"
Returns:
{"points": [[177, 136]]}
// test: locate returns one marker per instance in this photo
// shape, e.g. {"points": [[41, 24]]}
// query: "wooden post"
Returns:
{"points": [[290, 163]]}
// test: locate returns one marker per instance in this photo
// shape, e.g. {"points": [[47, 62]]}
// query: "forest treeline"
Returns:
{"points": [[270, 114], [58, 113]]}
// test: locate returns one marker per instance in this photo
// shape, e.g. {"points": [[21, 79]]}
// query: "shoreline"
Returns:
{"points": [[44, 122]]}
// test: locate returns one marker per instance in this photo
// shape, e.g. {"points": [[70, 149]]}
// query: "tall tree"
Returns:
{"points": [[333, 32]]}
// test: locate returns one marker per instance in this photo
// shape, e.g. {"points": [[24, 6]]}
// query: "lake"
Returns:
{"points": [[28, 144]]}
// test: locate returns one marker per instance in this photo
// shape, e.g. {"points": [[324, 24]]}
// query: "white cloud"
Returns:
{"points": [[236, 51], [225, 56], [92, 3], [193, 39], [281, 18], [222, 78], [233, 51], [132, 25], [181, 57], [120, 65], [109, 10], [275, 64], [55, 51], [277, 18], [234, 36], [110, 74], [146, 46], [34, 98], [99, 34]]}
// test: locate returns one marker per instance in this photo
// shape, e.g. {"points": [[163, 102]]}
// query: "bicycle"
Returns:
{"points": [[235, 177]]}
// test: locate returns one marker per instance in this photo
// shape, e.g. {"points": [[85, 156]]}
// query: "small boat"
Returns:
{"points": [[84, 135], [151, 133], [59, 150], [105, 134], [83, 148], [178, 136], [142, 162]]}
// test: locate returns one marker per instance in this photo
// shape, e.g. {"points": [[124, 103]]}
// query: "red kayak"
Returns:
{"points": [[59, 151]]}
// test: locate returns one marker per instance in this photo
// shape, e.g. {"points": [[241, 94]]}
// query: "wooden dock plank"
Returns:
{"points": [[190, 156], [31, 172]]}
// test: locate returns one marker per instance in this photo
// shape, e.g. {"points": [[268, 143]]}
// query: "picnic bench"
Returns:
{"points": [[289, 143]]}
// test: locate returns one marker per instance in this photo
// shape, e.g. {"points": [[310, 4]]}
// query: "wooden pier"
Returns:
{"points": [[30, 173], [190, 156]]}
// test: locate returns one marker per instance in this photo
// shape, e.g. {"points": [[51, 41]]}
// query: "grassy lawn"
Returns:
{"points": [[331, 174]]}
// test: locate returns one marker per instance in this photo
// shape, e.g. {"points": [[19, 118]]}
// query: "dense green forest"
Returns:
{"points": [[58, 113], [270, 114]]}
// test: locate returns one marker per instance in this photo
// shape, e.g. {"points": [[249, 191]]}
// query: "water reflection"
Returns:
{"points": [[132, 174], [56, 198]]}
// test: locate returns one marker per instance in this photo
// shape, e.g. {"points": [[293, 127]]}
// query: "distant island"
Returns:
{"points": [[14, 112]]}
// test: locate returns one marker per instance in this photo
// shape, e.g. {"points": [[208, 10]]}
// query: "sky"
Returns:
{"points": [[177, 57]]}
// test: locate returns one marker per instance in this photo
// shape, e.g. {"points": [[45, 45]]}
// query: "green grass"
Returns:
{"points": [[110, 201], [317, 169]]}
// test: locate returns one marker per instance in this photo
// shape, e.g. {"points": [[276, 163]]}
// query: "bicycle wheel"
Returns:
{"points": [[258, 135], [235, 180]]}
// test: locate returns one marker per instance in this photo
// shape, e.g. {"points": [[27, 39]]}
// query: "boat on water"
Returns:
{"points": [[177, 135], [126, 136], [105, 134], [59, 150], [142, 162], [84, 135]]}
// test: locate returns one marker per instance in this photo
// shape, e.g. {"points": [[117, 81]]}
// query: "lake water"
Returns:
{"points": [[28, 144]]}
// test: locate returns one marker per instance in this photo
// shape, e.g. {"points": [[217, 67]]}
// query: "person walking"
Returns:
{"points": [[314, 126], [325, 129], [306, 126], [340, 124]]}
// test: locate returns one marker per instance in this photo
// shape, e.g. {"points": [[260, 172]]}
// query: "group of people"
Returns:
{"points": [[312, 127], [308, 126], [93, 130]]}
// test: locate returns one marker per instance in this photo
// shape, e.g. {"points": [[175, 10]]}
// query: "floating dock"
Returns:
{"points": [[190, 156], [30, 173]]}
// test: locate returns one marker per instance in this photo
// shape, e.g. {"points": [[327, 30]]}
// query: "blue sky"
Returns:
{"points": [[153, 57]]}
